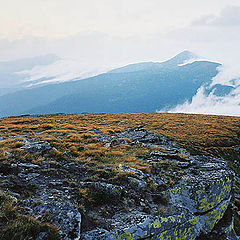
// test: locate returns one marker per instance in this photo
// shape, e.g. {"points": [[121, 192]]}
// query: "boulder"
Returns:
{"points": [[195, 205], [36, 146], [59, 210]]}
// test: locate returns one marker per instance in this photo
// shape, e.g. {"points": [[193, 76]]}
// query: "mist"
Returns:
{"points": [[210, 103]]}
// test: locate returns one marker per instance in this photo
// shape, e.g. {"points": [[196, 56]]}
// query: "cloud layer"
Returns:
{"points": [[218, 36], [59, 71], [58, 18], [210, 103]]}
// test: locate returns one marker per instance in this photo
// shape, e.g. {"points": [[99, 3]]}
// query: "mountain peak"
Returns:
{"points": [[187, 54], [182, 57]]}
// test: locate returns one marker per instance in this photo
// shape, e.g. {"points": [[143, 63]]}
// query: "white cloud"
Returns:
{"points": [[59, 71], [229, 17], [228, 75], [212, 104], [218, 37]]}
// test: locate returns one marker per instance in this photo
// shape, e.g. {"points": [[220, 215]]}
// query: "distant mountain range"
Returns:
{"points": [[10, 77], [140, 87], [33, 72]]}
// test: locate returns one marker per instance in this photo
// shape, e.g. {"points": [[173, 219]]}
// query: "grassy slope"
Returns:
{"points": [[200, 134], [205, 134]]}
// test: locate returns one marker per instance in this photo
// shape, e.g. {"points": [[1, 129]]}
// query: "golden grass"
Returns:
{"points": [[206, 134]]}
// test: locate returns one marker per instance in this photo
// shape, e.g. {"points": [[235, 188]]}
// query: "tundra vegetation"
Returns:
{"points": [[70, 144]]}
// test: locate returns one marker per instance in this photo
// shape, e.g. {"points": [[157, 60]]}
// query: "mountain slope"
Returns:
{"points": [[132, 92], [9, 70], [157, 66], [136, 89]]}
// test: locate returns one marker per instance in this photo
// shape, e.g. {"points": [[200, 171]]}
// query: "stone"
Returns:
{"points": [[195, 205], [104, 138], [111, 189], [137, 172], [95, 130], [28, 165], [97, 233], [67, 153], [8, 154], [62, 212], [36, 146], [139, 134], [140, 184], [42, 236]]}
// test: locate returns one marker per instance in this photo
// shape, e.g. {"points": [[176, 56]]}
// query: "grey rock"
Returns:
{"points": [[108, 168], [137, 172], [139, 134], [61, 211], [42, 236], [67, 153], [28, 165], [104, 138], [96, 131], [111, 189], [8, 154], [97, 234], [159, 181], [36, 146], [196, 204], [28, 176], [140, 184]]}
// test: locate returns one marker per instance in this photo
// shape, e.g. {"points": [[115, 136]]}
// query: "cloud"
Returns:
{"points": [[213, 33], [60, 71], [229, 17], [228, 75], [215, 36], [218, 37], [60, 18], [210, 103]]}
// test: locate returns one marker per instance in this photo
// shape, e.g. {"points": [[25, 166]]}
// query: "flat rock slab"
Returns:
{"points": [[196, 203]]}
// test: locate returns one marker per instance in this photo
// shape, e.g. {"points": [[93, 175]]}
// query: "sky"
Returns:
{"points": [[118, 32], [94, 35], [60, 18]]}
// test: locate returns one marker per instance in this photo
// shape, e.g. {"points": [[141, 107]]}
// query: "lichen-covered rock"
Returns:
{"points": [[59, 210], [161, 192], [111, 189], [196, 203]]}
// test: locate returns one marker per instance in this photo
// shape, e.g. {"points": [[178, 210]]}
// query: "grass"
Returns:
{"points": [[15, 226], [200, 134], [72, 140]]}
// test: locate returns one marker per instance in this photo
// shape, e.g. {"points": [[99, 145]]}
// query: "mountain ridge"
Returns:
{"points": [[136, 91]]}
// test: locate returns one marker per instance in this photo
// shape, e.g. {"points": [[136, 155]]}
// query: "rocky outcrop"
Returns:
{"points": [[36, 146], [40, 192], [59, 209], [196, 204], [174, 196]]}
